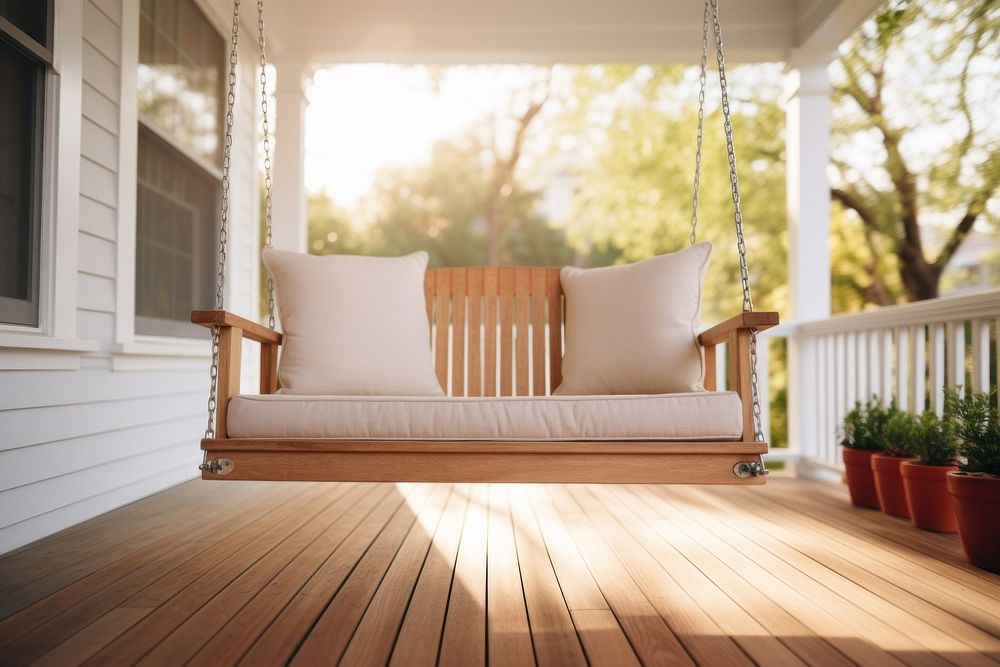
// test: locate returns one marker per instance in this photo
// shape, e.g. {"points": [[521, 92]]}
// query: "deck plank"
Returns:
{"points": [[420, 635], [375, 636], [870, 616], [252, 620], [373, 574], [463, 640], [731, 618], [333, 630], [653, 640], [700, 635], [955, 640], [508, 636], [213, 618], [553, 634], [176, 597], [36, 629], [278, 644]]}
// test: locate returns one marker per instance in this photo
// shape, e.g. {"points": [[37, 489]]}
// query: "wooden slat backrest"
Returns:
{"points": [[496, 330]]}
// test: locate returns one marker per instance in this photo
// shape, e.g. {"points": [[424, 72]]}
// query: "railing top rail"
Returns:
{"points": [[933, 311]]}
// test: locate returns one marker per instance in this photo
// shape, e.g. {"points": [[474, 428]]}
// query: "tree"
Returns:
{"points": [[505, 164], [444, 208], [634, 195], [915, 136]]}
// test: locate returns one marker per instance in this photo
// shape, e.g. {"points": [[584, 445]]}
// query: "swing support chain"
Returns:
{"points": [[712, 16], [220, 296], [220, 291]]}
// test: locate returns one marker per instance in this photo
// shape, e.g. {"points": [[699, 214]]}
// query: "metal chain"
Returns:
{"points": [[268, 182], [702, 81], [227, 149], [737, 212]]}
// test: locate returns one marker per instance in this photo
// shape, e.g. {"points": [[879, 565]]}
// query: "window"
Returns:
{"points": [[24, 60], [180, 96]]}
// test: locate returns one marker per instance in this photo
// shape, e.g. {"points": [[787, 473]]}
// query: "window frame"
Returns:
{"points": [[27, 314]]}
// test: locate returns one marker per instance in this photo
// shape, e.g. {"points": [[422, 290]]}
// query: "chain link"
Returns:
{"points": [[227, 149], [702, 81], [268, 182], [734, 182]]}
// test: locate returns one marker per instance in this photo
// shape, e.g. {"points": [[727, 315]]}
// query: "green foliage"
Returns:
{"points": [[638, 123], [900, 433], [978, 431], [330, 228], [440, 208], [864, 425], [936, 441]]}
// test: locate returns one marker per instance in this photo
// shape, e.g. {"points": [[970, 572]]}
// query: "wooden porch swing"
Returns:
{"points": [[499, 304]]}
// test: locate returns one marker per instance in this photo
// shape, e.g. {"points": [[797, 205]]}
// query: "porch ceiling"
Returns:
{"points": [[477, 31]]}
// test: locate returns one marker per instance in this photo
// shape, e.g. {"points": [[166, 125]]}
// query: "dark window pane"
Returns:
{"points": [[177, 212], [20, 118], [28, 15]]}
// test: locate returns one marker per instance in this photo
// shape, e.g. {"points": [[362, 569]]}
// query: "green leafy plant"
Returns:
{"points": [[978, 428], [936, 441], [863, 425], [899, 433]]}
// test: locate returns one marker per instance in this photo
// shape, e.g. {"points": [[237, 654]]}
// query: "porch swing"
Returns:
{"points": [[524, 296]]}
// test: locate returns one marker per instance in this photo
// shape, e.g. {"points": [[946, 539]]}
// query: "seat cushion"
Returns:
{"points": [[632, 329], [691, 416], [353, 325]]}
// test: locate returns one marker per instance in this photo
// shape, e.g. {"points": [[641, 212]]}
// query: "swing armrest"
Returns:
{"points": [[232, 330], [736, 332], [223, 318], [754, 320]]}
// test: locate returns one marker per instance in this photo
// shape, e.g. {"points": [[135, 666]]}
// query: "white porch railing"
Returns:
{"points": [[909, 353]]}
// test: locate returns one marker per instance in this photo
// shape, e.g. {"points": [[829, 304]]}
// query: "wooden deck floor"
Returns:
{"points": [[261, 573]]}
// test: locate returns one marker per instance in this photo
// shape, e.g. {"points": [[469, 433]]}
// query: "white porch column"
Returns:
{"points": [[289, 216], [807, 145]]}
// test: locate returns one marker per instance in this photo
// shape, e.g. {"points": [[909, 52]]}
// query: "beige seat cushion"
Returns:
{"points": [[692, 416], [353, 326], [632, 329]]}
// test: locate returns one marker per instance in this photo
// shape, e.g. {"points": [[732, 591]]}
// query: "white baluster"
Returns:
{"points": [[845, 379], [886, 357], [902, 364], [875, 362], [861, 366], [833, 415], [822, 396], [980, 355], [937, 363], [955, 360], [851, 370], [918, 369]]}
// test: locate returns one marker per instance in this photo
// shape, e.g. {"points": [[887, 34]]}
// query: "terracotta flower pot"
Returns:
{"points": [[927, 495], [860, 482], [889, 484], [976, 499]]}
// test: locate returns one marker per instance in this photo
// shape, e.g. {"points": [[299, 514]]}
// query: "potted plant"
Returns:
{"points": [[926, 479], [859, 445], [898, 435], [975, 487], [895, 450]]}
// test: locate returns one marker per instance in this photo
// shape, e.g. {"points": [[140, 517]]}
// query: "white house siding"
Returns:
{"points": [[76, 443]]}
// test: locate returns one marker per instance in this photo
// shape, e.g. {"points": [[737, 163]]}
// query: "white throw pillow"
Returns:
{"points": [[353, 326], [632, 329]]}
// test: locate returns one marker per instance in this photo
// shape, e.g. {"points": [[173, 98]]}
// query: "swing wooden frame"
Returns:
{"points": [[488, 307]]}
